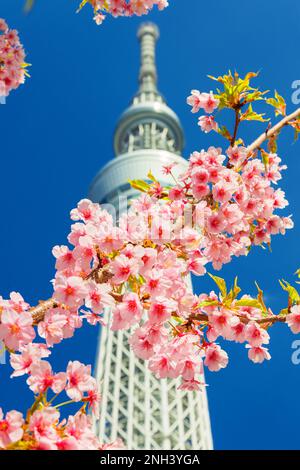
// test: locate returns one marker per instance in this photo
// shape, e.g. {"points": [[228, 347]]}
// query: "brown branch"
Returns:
{"points": [[202, 317], [271, 132], [236, 126], [99, 275], [38, 312]]}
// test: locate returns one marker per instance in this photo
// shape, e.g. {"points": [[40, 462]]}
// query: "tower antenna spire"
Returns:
{"points": [[148, 35]]}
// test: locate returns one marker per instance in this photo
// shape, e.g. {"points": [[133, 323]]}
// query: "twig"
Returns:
{"points": [[202, 317], [236, 126], [38, 312], [268, 134]]}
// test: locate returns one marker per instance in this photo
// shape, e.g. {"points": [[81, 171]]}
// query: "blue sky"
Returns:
{"points": [[56, 133]]}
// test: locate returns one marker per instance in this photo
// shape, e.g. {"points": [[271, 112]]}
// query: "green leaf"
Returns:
{"points": [[248, 303], [140, 185], [272, 143], [208, 303], [260, 298], [296, 125], [220, 283], [250, 115], [278, 103], [234, 292], [292, 292], [151, 177], [224, 132], [28, 5], [236, 289], [264, 157], [84, 2], [283, 312]]}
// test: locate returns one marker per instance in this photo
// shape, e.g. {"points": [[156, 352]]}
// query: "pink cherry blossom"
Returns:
{"points": [[293, 319], [79, 380], [258, 354], [255, 335], [12, 60], [52, 327], [29, 354], [70, 291], [42, 425], [98, 297], [122, 268], [141, 344], [215, 358], [80, 427], [208, 123], [216, 223], [163, 366], [123, 8], [64, 258], [191, 385], [42, 378], [16, 329], [209, 102], [10, 428], [161, 309], [195, 100]]}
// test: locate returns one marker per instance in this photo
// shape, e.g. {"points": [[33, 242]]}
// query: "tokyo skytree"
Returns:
{"points": [[146, 413]]}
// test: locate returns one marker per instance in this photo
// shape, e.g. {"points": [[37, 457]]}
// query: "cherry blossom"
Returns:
{"points": [[258, 354], [225, 204], [10, 428], [16, 329], [122, 7], [215, 358], [12, 60], [79, 380], [29, 355], [293, 319], [42, 378]]}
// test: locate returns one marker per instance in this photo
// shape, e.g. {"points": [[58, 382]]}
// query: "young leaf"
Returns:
{"points": [[220, 283], [208, 303], [292, 292], [28, 5], [296, 125], [140, 185], [250, 115], [224, 132], [260, 298], [278, 103], [248, 303], [151, 177]]}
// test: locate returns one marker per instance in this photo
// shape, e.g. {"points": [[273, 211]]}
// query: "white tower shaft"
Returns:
{"points": [[144, 412]]}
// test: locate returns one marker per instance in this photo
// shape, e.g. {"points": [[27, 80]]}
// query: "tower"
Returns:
{"points": [[144, 412]]}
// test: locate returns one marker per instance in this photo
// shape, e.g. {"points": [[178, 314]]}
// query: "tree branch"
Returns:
{"points": [[39, 311], [99, 275], [266, 135], [202, 317], [236, 126]]}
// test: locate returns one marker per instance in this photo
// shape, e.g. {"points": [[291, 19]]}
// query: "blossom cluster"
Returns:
{"points": [[12, 57], [43, 428], [208, 103], [138, 271], [123, 7]]}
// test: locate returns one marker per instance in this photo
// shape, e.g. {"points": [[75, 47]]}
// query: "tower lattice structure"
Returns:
{"points": [[146, 413]]}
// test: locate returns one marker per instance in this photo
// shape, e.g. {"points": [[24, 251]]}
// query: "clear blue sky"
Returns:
{"points": [[56, 132]]}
